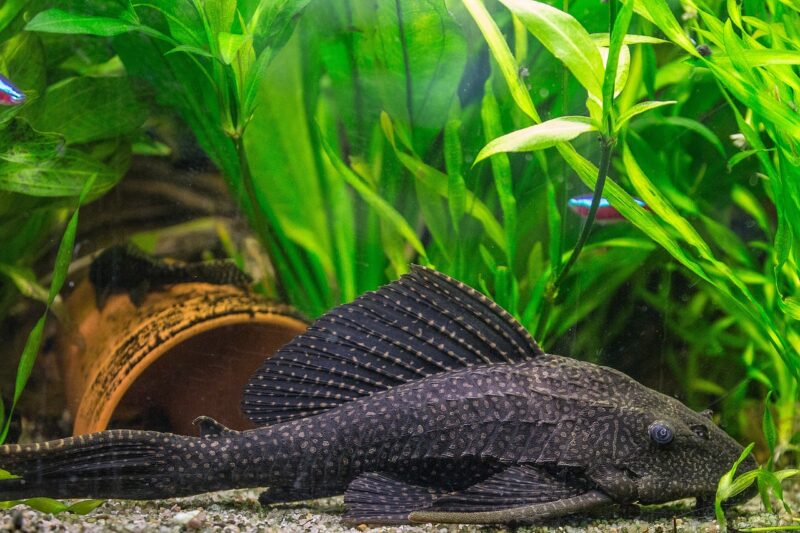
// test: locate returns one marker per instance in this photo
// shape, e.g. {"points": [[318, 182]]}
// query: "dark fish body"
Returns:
{"points": [[125, 268], [423, 401]]}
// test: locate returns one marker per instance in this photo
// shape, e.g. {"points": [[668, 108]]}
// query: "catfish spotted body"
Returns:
{"points": [[423, 401]]}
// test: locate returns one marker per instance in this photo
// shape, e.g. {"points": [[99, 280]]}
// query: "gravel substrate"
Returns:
{"points": [[239, 511]]}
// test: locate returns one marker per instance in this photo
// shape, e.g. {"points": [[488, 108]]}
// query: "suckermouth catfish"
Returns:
{"points": [[423, 402]]}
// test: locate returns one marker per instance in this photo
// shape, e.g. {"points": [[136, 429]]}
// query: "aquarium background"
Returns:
{"points": [[357, 137]]}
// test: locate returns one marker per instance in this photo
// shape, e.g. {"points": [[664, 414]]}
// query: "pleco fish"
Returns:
{"points": [[606, 213], [422, 402], [126, 268], [9, 93]]}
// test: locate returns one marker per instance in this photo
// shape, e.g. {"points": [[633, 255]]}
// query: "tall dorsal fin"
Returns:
{"points": [[422, 324]]}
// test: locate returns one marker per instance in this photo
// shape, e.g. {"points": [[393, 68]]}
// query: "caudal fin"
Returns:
{"points": [[111, 464]]}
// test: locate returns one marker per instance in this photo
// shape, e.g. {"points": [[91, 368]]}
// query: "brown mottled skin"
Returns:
{"points": [[126, 268], [423, 401]]}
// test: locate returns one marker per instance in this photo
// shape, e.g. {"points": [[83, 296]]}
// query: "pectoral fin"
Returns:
{"points": [[518, 494], [523, 514], [379, 499]]}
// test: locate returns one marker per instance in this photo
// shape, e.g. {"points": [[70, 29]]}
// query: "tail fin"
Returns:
{"points": [[111, 464]]}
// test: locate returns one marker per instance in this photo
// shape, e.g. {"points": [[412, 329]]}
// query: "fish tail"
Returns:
{"points": [[111, 464]]}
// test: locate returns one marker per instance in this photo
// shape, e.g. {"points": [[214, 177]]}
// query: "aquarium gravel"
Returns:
{"points": [[239, 511]]}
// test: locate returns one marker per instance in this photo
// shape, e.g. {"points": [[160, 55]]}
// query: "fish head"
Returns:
{"points": [[679, 453]]}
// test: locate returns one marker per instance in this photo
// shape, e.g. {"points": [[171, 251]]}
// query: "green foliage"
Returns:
{"points": [[361, 136], [49, 505]]}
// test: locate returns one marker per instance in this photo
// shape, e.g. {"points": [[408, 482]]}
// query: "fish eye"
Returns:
{"points": [[660, 432], [700, 430]]}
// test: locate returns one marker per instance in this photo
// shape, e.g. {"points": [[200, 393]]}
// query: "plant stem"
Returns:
{"points": [[285, 259], [605, 164]]}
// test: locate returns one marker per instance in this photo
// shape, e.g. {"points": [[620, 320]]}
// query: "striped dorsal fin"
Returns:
{"points": [[422, 324]]}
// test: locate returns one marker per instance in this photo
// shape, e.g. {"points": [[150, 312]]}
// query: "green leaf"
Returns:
{"points": [[46, 505], [25, 281], [638, 109], [613, 61], [59, 21], [602, 39], [230, 44], [537, 137], [382, 208], [454, 159], [85, 506], [503, 56], [566, 39], [88, 109], [769, 429], [697, 127]]}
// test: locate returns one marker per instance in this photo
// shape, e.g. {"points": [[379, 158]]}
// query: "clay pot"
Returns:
{"points": [[187, 351]]}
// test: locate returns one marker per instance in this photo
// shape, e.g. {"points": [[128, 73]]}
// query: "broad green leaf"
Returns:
{"points": [[537, 137], [230, 44], [220, 15], [190, 49], [60, 176], [87, 109], [59, 21], [413, 54], [566, 39], [502, 55], [638, 109], [85, 506], [46, 505]]}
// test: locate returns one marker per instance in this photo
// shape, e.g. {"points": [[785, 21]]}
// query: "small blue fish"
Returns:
{"points": [[606, 213], [10, 93]]}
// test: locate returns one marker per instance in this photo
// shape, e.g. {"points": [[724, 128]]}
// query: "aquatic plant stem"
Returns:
{"points": [[284, 258], [605, 163]]}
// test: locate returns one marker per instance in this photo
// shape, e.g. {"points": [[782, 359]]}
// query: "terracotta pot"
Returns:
{"points": [[186, 351]]}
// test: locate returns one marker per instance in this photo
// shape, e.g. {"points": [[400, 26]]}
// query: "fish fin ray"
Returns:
{"points": [[420, 325], [375, 498]]}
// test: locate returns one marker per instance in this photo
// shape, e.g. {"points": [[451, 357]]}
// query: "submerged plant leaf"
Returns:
{"points": [[537, 137], [59, 21], [566, 39]]}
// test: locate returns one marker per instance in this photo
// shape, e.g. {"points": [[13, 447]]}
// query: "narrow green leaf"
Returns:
{"points": [[59, 21], [230, 44], [769, 429], [503, 56], [638, 109], [454, 160], [537, 137], [383, 208], [565, 38], [602, 39], [613, 61], [697, 127], [25, 282]]}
